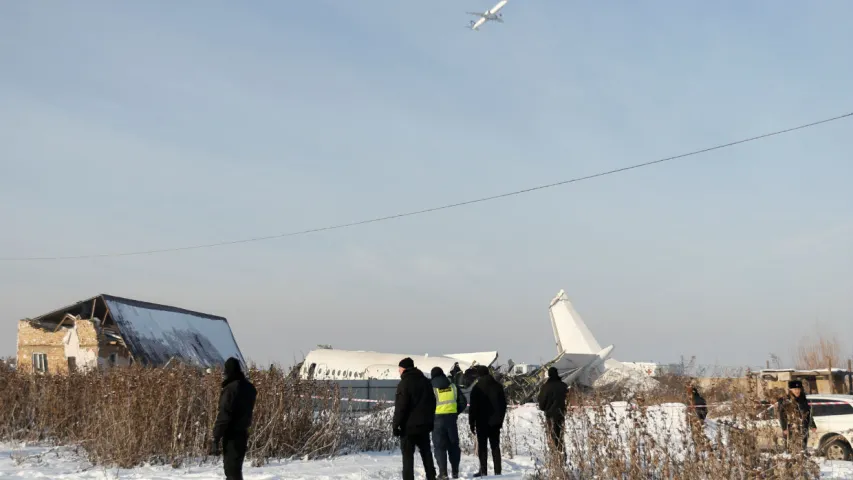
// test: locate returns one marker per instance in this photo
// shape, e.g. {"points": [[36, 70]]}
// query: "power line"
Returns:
{"points": [[434, 209]]}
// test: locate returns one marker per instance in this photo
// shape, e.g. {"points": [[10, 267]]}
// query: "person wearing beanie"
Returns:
{"points": [[414, 418], [486, 414], [552, 401], [795, 417], [445, 434], [236, 406]]}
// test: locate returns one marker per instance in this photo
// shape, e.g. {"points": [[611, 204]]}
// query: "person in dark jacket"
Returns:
{"points": [[697, 401], [445, 435], [486, 414], [236, 406], [795, 415], [455, 374], [552, 401], [414, 418]]}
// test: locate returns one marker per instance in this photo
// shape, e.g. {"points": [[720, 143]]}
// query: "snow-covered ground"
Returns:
{"points": [[63, 463], [23, 461]]}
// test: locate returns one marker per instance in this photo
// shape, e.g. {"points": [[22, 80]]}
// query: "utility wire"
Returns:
{"points": [[434, 209]]}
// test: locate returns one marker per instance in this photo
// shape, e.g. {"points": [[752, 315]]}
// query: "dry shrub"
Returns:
{"points": [[649, 438], [129, 416], [818, 353]]}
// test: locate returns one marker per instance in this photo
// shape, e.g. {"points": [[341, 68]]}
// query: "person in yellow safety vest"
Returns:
{"points": [[449, 403]]}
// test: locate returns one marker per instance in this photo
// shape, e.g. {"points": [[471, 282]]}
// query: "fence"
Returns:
{"points": [[359, 395]]}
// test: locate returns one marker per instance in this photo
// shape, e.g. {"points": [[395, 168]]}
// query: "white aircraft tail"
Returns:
{"points": [[570, 332], [580, 356]]}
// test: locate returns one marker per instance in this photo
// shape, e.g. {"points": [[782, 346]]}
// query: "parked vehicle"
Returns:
{"points": [[833, 417]]}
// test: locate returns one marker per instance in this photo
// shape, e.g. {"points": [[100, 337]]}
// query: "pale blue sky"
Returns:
{"points": [[139, 125]]}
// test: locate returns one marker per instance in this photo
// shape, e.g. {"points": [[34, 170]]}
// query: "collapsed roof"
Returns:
{"points": [[155, 334]]}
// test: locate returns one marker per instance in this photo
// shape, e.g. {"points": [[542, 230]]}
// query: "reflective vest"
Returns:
{"points": [[445, 400]]}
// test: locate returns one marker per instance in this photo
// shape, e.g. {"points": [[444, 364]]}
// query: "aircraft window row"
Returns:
{"points": [[329, 372]]}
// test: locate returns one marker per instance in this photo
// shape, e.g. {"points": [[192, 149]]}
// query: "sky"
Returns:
{"points": [[129, 126]]}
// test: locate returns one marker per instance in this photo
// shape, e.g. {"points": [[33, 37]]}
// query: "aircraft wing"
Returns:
{"points": [[573, 361], [582, 367], [475, 13], [480, 358]]}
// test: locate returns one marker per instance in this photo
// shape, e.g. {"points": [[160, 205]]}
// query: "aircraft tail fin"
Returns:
{"points": [[570, 332]]}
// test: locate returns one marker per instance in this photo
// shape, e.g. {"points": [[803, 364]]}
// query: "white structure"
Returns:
{"points": [[581, 358], [331, 364], [523, 369], [490, 15]]}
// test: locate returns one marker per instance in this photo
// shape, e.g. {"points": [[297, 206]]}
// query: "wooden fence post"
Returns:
{"points": [[831, 379], [850, 376]]}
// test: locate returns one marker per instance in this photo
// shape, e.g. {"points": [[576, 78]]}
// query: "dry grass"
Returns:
{"points": [[132, 416], [656, 439]]}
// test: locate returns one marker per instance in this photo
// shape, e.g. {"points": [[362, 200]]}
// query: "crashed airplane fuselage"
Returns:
{"points": [[580, 361], [332, 364]]}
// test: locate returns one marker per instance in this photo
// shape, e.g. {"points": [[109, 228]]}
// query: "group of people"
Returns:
{"points": [[426, 413], [428, 409]]}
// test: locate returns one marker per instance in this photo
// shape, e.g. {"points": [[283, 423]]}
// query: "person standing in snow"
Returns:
{"points": [[450, 402], [795, 416], [552, 401], [486, 414], [236, 406], [414, 418], [698, 404]]}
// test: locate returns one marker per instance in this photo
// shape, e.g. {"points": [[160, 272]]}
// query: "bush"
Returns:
{"points": [[130, 416], [650, 438]]}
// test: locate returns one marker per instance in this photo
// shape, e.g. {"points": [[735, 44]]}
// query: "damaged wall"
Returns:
{"points": [[81, 345], [72, 346], [33, 340]]}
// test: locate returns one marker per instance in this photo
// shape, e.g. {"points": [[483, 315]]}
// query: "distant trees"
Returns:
{"points": [[819, 353]]}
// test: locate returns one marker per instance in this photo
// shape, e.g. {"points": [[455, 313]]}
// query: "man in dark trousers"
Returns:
{"points": [[450, 402], [795, 416], [236, 405], [552, 401], [414, 417], [486, 414]]}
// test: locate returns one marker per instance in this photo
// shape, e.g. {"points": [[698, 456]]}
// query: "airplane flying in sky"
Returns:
{"points": [[489, 15]]}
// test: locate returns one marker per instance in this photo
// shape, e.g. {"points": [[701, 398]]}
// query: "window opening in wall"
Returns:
{"points": [[113, 359], [40, 362], [72, 364]]}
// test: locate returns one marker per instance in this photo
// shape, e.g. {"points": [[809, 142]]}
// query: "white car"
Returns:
{"points": [[833, 417]]}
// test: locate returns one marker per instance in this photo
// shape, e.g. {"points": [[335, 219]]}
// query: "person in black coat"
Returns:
{"points": [[552, 401], [236, 406], [795, 416], [486, 414], [697, 401], [414, 417]]}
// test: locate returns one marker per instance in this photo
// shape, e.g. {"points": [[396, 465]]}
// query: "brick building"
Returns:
{"points": [[108, 331]]}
